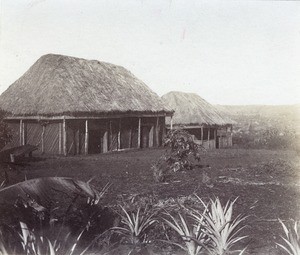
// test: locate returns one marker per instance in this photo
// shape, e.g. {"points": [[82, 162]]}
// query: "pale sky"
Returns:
{"points": [[228, 52]]}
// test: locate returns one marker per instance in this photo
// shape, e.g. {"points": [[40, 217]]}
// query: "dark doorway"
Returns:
{"points": [[95, 141], [145, 137], [217, 142]]}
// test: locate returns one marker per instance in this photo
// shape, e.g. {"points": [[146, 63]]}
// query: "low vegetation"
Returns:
{"points": [[181, 154], [269, 138], [291, 244], [59, 215]]}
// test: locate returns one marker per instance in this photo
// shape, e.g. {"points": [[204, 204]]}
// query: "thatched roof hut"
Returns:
{"points": [[191, 109], [199, 117], [68, 105], [62, 85]]}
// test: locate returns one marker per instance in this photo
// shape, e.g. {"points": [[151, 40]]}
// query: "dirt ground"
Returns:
{"points": [[267, 183]]}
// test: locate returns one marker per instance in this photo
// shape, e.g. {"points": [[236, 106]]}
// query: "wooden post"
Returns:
{"points": [[130, 137], [139, 133], [21, 132], [119, 136], [157, 132], [65, 137], [110, 136], [208, 137], [105, 143], [59, 138], [151, 134], [202, 135], [86, 138], [171, 123]]}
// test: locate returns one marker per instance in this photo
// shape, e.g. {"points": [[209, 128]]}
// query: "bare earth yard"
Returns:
{"points": [[267, 183]]}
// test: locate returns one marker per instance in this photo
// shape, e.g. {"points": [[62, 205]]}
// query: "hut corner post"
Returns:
{"points": [[86, 138], [59, 138], [119, 136], [64, 137], [21, 132], [139, 133]]}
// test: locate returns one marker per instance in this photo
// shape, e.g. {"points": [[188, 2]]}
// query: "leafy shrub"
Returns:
{"points": [[181, 153]]}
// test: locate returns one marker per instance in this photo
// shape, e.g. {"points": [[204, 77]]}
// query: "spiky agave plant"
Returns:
{"points": [[190, 231], [292, 239], [135, 225], [222, 230]]}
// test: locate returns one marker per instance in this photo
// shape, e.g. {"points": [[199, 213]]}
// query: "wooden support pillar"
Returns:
{"points": [[59, 138], [171, 123], [64, 131], [130, 138], [151, 136], [105, 141], [119, 136], [110, 136], [139, 132], [86, 138], [208, 137], [202, 133], [21, 132], [157, 132]]}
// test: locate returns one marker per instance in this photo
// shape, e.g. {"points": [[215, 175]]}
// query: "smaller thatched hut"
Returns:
{"points": [[67, 105], [211, 128]]}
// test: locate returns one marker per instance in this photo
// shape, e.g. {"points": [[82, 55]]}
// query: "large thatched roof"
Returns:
{"points": [[191, 109], [59, 85]]}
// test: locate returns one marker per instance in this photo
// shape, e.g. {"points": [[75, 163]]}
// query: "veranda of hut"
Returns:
{"points": [[209, 127], [66, 105], [69, 136]]}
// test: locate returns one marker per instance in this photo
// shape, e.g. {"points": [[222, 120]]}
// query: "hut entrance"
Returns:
{"points": [[145, 137], [98, 137], [217, 142], [95, 141]]}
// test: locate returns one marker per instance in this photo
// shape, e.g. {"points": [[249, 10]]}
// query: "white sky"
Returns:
{"points": [[228, 52]]}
